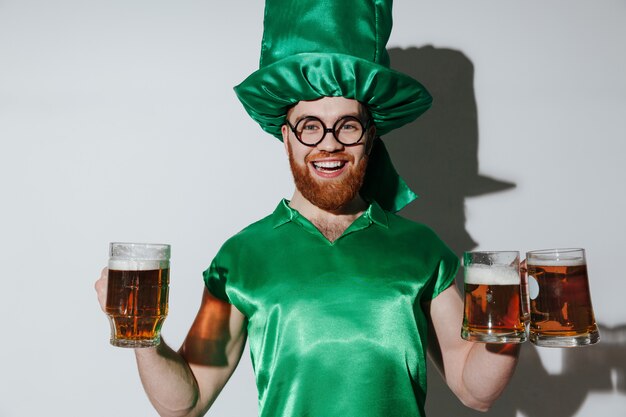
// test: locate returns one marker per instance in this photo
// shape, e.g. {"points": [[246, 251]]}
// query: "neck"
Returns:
{"points": [[333, 223]]}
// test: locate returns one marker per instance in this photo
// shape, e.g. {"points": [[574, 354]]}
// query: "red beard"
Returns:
{"points": [[329, 195]]}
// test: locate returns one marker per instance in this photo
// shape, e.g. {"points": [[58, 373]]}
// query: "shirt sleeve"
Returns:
{"points": [[443, 275], [215, 279]]}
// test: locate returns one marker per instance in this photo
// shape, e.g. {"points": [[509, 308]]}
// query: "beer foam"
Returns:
{"points": [[491, 275], [139, 251], [136, 265]]}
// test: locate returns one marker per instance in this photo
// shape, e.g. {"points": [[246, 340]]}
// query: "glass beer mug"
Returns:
{"points": [[493, 310], [137, 293], [561, 314]]}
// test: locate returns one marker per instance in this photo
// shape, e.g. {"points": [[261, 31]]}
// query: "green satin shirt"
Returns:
{"points": [[336, 329]]}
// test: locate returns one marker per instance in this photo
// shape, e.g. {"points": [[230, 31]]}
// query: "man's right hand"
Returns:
{"points": [[101, 287], [197, 373]]}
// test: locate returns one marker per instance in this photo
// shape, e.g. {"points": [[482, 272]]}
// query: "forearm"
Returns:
{"points": [[487, 371], [167, 380]]}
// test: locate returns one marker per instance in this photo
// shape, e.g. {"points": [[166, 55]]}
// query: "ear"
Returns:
{"points": [[284, 130]]}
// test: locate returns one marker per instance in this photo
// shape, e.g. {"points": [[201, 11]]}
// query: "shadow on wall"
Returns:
{"points": [[438, 157], [535, 393], [438, 154]]}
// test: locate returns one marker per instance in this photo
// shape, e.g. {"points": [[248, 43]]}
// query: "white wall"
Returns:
{"points": [[118, 123]]}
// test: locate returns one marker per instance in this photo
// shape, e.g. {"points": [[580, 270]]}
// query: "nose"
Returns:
{"points": [[329, 143]]}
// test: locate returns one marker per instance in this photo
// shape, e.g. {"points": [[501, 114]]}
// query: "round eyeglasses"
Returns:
{"points": [[310, 130]]}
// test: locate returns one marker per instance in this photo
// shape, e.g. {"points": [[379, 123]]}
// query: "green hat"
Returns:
{"points": [[313, 49]]}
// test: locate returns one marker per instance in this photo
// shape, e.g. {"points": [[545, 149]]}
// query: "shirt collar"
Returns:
{"points": [[284, 214], [376, 213]]}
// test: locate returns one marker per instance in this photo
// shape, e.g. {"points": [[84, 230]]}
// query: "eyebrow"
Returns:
{"points": [[353, 114]]}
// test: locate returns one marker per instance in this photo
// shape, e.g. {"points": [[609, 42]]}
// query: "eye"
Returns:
{"points": [[309, 125], [348, 124]]}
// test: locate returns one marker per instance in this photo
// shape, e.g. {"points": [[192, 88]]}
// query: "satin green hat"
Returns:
{"points": [[329, 48]]}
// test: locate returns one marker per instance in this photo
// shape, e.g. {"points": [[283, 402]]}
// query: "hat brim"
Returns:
{"points": [[393, 98]]}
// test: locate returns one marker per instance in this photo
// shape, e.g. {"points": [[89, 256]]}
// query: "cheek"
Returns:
{"points": [[300, 157], [297, 152], [359, 155]]}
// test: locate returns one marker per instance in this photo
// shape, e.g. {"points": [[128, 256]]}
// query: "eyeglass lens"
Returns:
{"points": [[347, 130]]}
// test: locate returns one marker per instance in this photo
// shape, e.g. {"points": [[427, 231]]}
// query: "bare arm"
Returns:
{"points": [[477, 373], [187, 382]]}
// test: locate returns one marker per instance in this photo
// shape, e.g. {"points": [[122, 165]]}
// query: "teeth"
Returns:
{"points": [[328, 164]]}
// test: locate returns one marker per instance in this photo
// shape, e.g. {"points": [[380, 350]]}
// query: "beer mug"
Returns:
{"points": [[561, 314], [137, 293], [493, 310]]}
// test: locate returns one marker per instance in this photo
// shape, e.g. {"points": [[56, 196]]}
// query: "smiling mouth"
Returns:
{"points": [[328, 166]]}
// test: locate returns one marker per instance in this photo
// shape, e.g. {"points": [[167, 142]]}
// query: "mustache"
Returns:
{"points": [[325, 154]]}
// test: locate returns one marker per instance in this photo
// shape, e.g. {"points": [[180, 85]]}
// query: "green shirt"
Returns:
{"points": [[336, 329]]}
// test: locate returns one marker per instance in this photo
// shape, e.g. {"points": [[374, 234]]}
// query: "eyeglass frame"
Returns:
{"points": [[332, 130]]}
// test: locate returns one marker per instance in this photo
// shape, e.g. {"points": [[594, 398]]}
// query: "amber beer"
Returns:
{"points": [[561, 314], [492, 300], [137, 293]]}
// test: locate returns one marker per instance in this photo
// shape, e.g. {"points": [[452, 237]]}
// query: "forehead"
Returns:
{"points": [[326, 107]]}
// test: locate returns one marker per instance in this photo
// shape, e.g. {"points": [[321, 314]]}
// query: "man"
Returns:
{"points": [[337, 294]]}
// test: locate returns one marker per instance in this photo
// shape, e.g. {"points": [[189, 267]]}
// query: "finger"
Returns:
{"points": [[102, 281], [101, 288]]}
